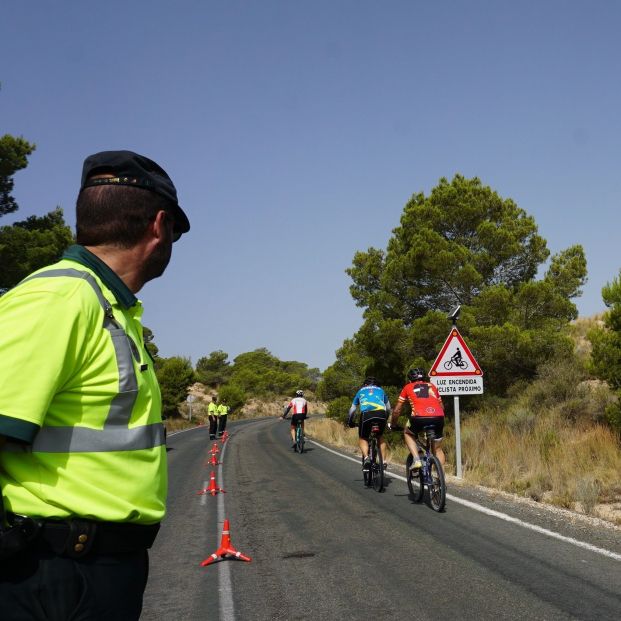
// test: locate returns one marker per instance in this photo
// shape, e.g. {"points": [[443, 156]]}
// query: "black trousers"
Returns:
{"points": [[213, 426], [221, 424], [40, 586]]}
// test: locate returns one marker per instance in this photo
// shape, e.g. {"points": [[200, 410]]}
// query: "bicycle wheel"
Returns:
{"points": [[368, 474], [415, 481], [437, 486], [300, 439], [377, 468]]}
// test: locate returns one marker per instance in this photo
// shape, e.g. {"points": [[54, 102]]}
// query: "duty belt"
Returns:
{"points": [[77, 538]]}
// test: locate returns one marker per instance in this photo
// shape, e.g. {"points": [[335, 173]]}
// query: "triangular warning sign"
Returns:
{"points": [[455, 358]]}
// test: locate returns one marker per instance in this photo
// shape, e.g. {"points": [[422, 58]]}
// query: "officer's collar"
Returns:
{"points": [[120, 290]]}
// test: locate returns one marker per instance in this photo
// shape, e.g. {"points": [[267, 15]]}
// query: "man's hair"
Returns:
{"points": [[116, 215]]}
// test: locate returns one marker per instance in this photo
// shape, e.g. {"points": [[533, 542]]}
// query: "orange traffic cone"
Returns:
{"points": [[212, 489], [225, 437], [226, 549], [212, 461], [215, 449]]}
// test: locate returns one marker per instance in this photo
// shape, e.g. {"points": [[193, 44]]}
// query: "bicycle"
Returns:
{"points": [[374, 476], [430, 475], [459, 363]]}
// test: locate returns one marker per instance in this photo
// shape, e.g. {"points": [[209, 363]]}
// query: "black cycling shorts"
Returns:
{"points": [[370, 418], [418, 423], [297, 417]]}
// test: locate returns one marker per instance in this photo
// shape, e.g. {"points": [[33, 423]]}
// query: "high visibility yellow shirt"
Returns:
{"points": [[78, 388], [222, 409], [212, 409]]}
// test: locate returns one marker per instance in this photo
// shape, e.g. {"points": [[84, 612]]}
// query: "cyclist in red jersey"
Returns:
{"points": [[299, 405], [427, 409]]}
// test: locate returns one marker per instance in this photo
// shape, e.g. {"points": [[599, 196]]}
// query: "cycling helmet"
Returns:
{"points": [[299, 393], [416, 375], [370, 381]]}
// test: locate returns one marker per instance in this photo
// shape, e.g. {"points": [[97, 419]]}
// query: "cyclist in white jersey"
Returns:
{"points": [[299, 407]]}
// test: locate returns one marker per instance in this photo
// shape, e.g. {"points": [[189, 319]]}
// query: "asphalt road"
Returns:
{"points": [[323, 546]]}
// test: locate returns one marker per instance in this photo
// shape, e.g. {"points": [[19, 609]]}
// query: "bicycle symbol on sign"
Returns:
{"points": [[456, 360]]}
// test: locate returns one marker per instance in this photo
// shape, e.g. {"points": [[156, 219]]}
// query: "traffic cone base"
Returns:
{"points": [[226, 549]]}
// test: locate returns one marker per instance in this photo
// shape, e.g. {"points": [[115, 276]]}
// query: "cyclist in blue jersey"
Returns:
{"points": [[374, 409]]}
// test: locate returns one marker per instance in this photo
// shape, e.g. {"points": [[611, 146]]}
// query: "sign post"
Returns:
{"points": [[456, 372], [190, 399]]}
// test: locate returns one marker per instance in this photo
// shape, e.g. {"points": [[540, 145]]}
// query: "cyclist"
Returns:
{"points": [[374, 409], [456, 358], [427, 409], [299, 405]]}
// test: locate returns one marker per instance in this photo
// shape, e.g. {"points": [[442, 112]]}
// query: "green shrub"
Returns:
{"points": [[175, 375], [232, 395], [338, 409]]}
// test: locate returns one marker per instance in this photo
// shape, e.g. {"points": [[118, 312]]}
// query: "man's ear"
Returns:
{"points": [[159, 224]]}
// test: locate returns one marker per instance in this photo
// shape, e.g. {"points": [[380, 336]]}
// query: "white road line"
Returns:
{"points": [[175, 433], [227, 610], [497, 514]]}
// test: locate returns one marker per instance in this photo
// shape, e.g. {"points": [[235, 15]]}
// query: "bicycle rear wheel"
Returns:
{"points": [[299, 438], [367, 475], [377, 468], [414, 480], [437, 485]]}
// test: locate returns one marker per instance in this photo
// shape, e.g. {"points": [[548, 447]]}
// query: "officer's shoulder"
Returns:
{"points": [[56, 289]]}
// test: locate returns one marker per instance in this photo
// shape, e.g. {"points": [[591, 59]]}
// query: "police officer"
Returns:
{"points": [[83, 460], [222, 411], [212, 413]]}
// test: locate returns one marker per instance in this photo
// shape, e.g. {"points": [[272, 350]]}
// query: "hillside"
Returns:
{"points": [[253, 408]]}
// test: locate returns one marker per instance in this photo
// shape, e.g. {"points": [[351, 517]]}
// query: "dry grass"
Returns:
{"points": [[329, 431], [177, 424], [579, 329], [576, 467]]}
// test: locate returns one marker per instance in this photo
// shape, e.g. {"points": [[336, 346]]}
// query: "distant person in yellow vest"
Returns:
{"points": [[82, 450], [223, 411], [212, 413]]}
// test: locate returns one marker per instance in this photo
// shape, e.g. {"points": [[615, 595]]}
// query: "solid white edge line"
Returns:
{"points": [[496, 514]]}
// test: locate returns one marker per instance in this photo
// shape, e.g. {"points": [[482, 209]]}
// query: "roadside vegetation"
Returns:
{"points": [[254, 375], [254, 385]]}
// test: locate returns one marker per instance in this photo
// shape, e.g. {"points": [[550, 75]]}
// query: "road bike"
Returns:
{"points": [[299, 437], [430, 475], [374, 476], [457, 362]]}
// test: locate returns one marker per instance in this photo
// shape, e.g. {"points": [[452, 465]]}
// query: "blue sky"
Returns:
{"points": [[296, 131]]}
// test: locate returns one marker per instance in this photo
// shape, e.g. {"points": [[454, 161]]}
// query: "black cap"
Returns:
{"points": [[135, 170]]}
